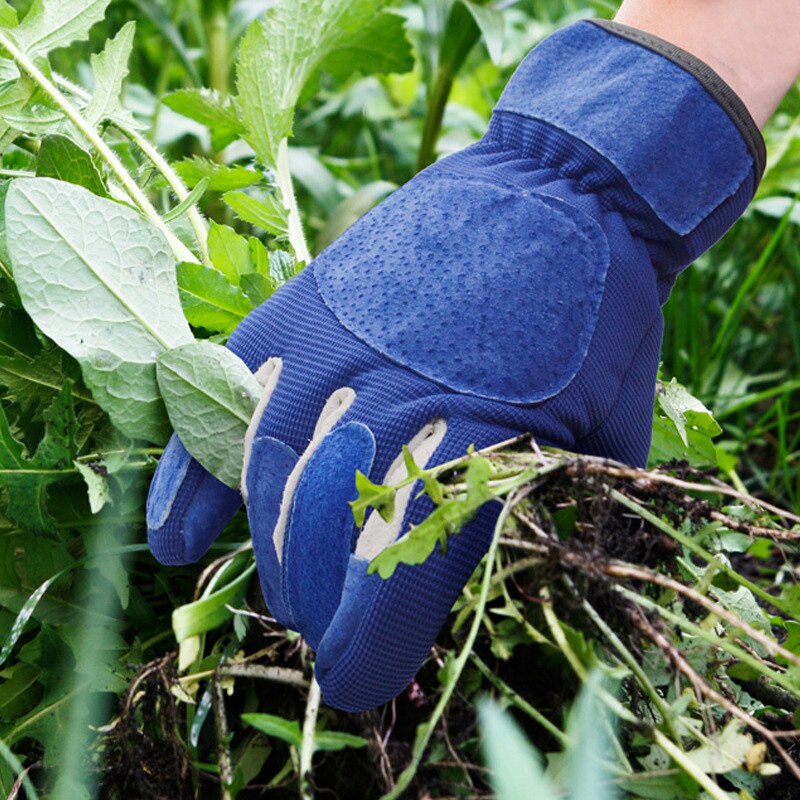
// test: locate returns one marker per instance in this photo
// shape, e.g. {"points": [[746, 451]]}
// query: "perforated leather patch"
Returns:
{"points": [[489, 290]]}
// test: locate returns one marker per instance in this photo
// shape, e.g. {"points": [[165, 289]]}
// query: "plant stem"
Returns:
{"points": [[697, 549], [178, 187], [25, 65], [283, 177], [309, 731], [424, 735], [685, 763]]}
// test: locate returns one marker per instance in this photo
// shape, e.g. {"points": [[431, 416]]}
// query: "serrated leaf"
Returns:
{"points": [[209, 108], [371, 495], [266, 213], [210, 396], [61, 158], [33, 381], [221, 178], [446, 519], [280, 52], [100, 281], [26, 477], [110, 69], [209, 300], [50, 24]]}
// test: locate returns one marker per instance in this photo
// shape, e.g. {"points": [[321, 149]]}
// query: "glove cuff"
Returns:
{"points": [[675, 131]]}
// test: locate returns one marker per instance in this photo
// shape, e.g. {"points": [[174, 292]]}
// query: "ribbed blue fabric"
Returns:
{"points": [[513, 287]]}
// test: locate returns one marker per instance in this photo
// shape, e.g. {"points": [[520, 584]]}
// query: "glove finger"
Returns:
{"points": [[384, 629], [320, 532], [187, 507]]}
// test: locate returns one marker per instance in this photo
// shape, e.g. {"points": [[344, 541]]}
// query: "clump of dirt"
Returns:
{"points": [[144, 754]]}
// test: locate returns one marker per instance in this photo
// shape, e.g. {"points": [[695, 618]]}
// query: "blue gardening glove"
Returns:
{"points": [[515, 286]]}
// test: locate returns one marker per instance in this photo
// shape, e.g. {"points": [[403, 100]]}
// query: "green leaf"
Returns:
{"points": [[337, 740], [60, 158], [379, 47], [34, 381], [491, 23], [280, 52], [8, 15], [51, 24], [266, 213], [725, 750], [229, 252], [257, 287], [515, 766], [110, 70], [26, 477], [445, 520], [288, 730], [217, 113], [371, 495], [221, 178], [586, 772], [211, 610], [209, 300], [100, 281], [210, 396], [685, 410], [96, 486]]}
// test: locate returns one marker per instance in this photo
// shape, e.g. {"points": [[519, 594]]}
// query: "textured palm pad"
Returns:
{"points": [[512, 287], [418, 293]]}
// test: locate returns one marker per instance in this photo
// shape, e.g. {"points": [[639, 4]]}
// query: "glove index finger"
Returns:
{"points": [[187, 507]]}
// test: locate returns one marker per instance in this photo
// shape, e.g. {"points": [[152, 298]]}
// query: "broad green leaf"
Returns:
{"points": [[257, 287], [61, 158], [221, 178], [25, 477], [229, 252], [286, 729], [210, 396], [208, 108], [685, 411], [379, 47], [8, 16], [209, 300], [280, 52], [100, 281], [211, 610], [110, 70], [515, 766], [57, 23], [266, 213]]}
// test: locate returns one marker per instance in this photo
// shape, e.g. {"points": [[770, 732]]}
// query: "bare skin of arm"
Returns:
{"points": [[754, 46]]}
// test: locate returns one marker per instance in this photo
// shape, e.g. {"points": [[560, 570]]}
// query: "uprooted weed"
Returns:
{"points": [[598, 565]]}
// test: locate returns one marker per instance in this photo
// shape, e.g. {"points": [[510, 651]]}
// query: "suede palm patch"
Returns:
{"points": [[485, 288]]}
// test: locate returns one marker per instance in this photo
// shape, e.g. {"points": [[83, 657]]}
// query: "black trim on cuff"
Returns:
{"points": [[710, 80]]}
